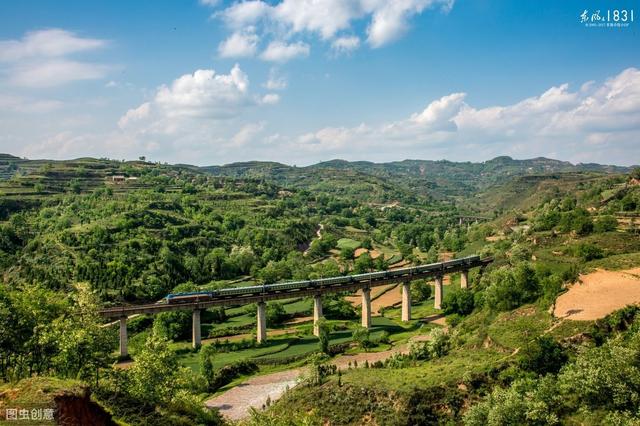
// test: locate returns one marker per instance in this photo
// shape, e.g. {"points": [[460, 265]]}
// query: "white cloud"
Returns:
{"points": [[201, 104], [270, 99], [325, 17], [55, 73], [210, 3], [390, 19], [40, 59], [238, 45], [439, 114], [205, 94], [345, 44], [275, 81], [386, 20], [186, 121], [278, 51], [47, 43], [247, 134], [244, 13], [25, 105], [135, 114], [599, 123]]}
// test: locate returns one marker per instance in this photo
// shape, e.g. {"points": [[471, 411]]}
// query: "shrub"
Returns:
{"points": [[362, 337], [228, 373], [458, 302], [334, 306], [437, 345], [543, 356], [320, 369], [605, 224], [589, 252], [525, 402], [605, 376], [323, 336], [420, 290], [508, 288]]}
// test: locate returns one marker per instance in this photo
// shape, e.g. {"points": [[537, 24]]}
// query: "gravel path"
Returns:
{"points": [[234, 404]]}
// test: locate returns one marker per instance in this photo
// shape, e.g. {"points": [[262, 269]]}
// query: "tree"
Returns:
{"points": [[84, 345], [459, 302], [275, 313], [334, 306], [361, 336], [543, 356], [363, 264], [323, 335], [347, 253], [508, 288], [206, 364], [154, 372], [320, 369], [420, 290], [173, 325]]}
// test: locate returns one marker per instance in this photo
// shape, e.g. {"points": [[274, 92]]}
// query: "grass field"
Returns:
{"points": [[348, 243]]}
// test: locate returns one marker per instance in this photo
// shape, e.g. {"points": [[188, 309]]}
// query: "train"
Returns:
{"points": [[321, 283]]}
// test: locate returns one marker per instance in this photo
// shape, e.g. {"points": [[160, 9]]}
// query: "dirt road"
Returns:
{"points": [[234, 404]]}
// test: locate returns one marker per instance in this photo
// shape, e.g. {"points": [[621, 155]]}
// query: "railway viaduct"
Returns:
{"points": [[263, 293]]}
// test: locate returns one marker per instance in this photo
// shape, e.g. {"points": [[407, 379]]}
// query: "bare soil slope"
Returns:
{"points": [[598, 294]]}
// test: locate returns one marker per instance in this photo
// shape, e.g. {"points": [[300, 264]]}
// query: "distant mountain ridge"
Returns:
{"points": [[538, 164]]}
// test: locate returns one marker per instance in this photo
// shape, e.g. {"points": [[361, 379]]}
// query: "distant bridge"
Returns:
{"points": [[316, 288]]}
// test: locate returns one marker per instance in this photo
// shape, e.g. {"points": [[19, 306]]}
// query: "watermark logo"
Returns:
{"points": [[29, 416], [609, 18]]}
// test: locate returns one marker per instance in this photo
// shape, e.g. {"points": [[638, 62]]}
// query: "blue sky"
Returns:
{"points": [[301, 81]]}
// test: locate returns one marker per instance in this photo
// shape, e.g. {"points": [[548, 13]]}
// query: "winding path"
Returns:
{"points": [[319, 237], [234, 404]]}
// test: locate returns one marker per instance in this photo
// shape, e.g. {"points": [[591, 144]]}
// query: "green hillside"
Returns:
{"points": [[78, 235]]}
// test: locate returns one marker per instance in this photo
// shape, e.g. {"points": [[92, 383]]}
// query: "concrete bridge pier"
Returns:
{"points": [[317, 313], [196, 338], [261, 330], [438, 298], [406, 301], [366, 307], [124, 352], [464, 279]]}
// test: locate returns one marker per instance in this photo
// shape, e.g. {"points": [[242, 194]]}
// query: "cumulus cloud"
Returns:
{"points": [[238, 45], [247, 133], [275, 81], [41, 58], [390, 19], [345, 44], [135, 114], [200, 104], [201, 118], [244, 13], [278, 51], [595, 123], [205, 94], [386, 21], [270, 99]]}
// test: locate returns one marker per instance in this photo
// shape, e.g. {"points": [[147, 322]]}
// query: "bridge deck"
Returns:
{"points": [[263, 293]]}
